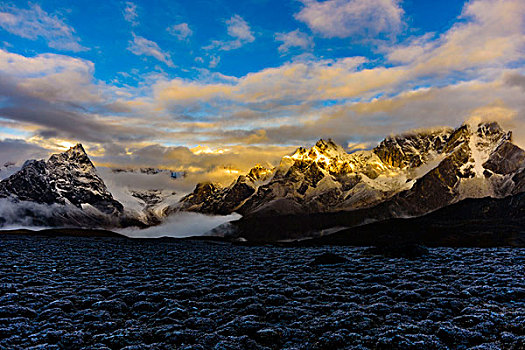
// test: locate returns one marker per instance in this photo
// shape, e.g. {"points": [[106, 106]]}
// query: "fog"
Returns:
{"points": [[13, 215], [182, 224]]}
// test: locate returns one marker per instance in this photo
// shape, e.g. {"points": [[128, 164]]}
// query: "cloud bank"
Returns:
{"points": [[473, 69]]}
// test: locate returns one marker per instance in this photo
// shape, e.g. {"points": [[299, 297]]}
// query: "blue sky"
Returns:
{"points": [[197, 84], [102, 28]]}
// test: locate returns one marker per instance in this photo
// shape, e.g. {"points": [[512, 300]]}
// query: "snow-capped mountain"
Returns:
{"points": [[407, 175], [477, 162], [211, 198], [64, 190]]}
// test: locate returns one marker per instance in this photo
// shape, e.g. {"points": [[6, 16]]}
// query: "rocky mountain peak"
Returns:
{"points": [[65, 178], [414, 148], [78, 148], [489, 128], [258, 173], [328, 146], [492, 133], [324, 152], [205, 188], [31, 162], [75, 157], [327, 149]]}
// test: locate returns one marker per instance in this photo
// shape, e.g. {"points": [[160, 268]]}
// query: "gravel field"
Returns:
{"points": [[72, 293]]}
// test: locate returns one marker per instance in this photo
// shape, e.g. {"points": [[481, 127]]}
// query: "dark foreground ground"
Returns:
{"points": [[97, 293]]}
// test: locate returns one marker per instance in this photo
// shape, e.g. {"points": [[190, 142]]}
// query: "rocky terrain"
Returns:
{"points": [[116, 293], [209, 198]]}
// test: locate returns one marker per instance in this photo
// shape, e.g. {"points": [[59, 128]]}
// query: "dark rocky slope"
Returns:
{"points": [[68, 177], [486, 222], [209, 198], [471, 222]]}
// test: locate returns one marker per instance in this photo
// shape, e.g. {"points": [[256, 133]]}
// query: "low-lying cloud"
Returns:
{"points": [[182, 224]]}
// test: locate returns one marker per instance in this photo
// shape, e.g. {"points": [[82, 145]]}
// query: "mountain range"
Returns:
{"points": [[415, 173], [312, 192]]}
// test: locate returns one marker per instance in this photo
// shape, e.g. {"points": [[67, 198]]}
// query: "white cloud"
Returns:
{"points": [[141, 46], [44, 64], [352, 18], [130, 13], [490, 34], [404, 54], [181, 225], [214, 61], [55, 78], [182, 31], [34, 22], [240, 32], [239, 28], [294, 39]]}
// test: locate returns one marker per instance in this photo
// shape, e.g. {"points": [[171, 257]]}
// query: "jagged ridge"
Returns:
{"points": [[407, 175]]}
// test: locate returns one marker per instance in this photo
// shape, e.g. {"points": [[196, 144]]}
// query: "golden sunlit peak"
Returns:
{"points": [[300, 154], [319, 157], [207, 150], [312, 155]]}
